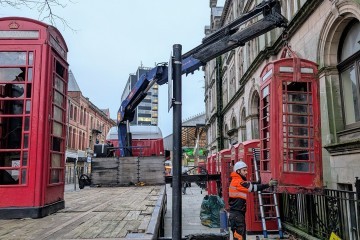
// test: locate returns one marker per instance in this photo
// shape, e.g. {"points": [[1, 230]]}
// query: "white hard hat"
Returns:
{"points": [[239, 165]]}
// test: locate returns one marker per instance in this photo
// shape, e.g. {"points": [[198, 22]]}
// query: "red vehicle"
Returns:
{"points": [[146, 140], [33, 90]]}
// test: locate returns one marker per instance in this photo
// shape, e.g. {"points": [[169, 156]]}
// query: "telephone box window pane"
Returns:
{"points": [[30, 75], [12, 58], [11, 106], [15, 173], [8, 178], [58, 99], [15, 90], [56, 144], [265, 165], [312, 156], [286, 167], [302, 167], [298, 160], [31, 58], [6, 158], [60, 69], [11, 132], [58, 114], [55, 160], [12, 90], [294, 119], [266, 122], [265, 91], [27, 124], [298, 142], [26, 141], [57, 129], [297, 86], [351, 100], [12, 74], [266, 144], [312, 167], [59, 84], [28, 90], [55, 176], [266, 111], [28, 106], [297, 131], [297, 108], [24, 159], [23, 176], [297, 97]]}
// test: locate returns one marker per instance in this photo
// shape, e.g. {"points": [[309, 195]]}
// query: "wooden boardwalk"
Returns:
{"points": [[101, 213]]}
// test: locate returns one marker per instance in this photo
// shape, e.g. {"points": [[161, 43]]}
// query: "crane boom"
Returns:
{"points": [[223, 40]]}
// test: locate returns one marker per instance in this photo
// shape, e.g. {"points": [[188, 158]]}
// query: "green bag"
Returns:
{"points": [[210, 211]]}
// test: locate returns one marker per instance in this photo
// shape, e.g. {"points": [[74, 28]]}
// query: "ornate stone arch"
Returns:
{"points": [[342, 12], [336, 21], [254, 98], [233, 123], [233, 129]]}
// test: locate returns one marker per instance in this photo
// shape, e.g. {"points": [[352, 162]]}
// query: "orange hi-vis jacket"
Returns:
{"points": [[238, 191]]}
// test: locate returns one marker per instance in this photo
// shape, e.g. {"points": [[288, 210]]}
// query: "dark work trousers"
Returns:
{"points": [[237, 224]]}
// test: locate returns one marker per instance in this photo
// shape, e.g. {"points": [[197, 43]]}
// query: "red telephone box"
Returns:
{"points": [[224, 158], [211, 169], [244, 152], [33, 90], [227, 166], [290, 124]]}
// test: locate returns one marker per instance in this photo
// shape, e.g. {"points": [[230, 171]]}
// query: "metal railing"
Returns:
{"points": [[320, 214]]}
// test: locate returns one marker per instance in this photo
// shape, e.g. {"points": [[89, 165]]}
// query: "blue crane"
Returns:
{"points": [[212, 46]]}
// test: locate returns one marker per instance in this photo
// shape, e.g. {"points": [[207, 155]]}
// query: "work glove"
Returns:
{"points": [[273, 183]]}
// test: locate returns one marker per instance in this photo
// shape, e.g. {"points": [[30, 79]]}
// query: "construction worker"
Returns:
{"points": [[238, 191]]}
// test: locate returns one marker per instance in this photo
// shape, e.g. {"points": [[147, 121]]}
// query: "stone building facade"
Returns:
{"points": [[326, 32], [87, 124]]}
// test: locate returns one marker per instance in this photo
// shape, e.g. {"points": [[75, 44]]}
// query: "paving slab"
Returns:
{"points": [[191, 205], [95, 213], [191, 223]]}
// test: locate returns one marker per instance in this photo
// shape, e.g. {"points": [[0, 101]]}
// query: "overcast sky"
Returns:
{"points": [[113, 37]]}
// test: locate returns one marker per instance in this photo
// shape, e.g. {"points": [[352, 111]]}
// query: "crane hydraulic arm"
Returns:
{"points": [[223, 40]]}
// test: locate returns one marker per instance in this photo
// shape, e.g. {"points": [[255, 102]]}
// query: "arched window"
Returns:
{"points": [[71, 111], [69, 138], [349, 69], [243, 125], [226, 137], [241, 63], [84, 142], [81, 115], [80, 142], [233, 123], [73, 138], [225, 91], [75, 113], [232, 87], [254, 113], [85, 116]]}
